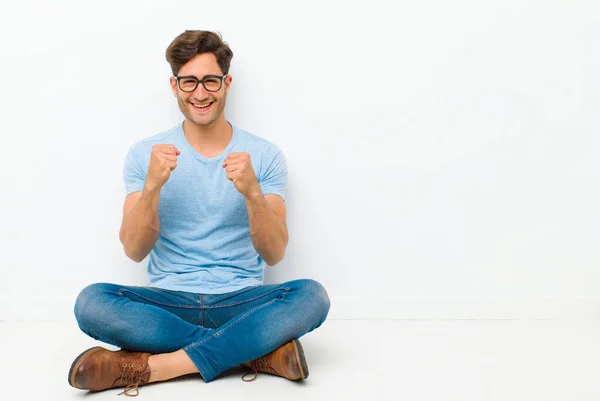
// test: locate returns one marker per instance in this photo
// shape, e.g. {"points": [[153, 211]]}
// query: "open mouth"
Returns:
{"points": [[202, 107]]}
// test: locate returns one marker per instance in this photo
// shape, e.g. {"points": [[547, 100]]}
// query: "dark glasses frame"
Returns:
{"points": [[198, 81]]}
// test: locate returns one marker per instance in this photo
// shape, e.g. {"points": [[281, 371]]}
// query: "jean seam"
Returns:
{"points": [[178, 293], [239, 319], [248, 300], [201, 311], [122, 291], [211, 319], [158, 303]]}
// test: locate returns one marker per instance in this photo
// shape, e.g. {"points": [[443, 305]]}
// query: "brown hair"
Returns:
{"points": [[191, 43]]}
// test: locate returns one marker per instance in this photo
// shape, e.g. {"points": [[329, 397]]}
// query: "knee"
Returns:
{"points": [[88, 303], [316, 300]]}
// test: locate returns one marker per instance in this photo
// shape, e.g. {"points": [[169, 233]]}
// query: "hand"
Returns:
{"points": [[239, 170], [163, 160]]}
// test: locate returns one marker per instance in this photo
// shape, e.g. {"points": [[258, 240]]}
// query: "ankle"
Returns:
{"points": [[167, 366], [153, 368]]}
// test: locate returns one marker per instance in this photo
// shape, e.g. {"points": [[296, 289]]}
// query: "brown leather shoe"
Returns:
{"points": [[286, 361], [99, 369]]}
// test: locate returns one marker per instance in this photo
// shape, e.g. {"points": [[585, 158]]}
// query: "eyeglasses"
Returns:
{"points": [[189, 83]]}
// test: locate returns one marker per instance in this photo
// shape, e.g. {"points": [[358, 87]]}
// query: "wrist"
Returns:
{"points": [[151, 188], [254, 195]]}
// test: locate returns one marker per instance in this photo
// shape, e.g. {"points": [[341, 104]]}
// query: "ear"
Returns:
{"points": [[173, 82], [228, 81]]}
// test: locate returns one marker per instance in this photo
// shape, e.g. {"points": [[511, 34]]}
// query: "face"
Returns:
{"points": [[191, 103]]}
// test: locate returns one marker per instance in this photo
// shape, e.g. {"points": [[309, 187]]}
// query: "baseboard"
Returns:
{"points": [[392, 308], [453, 308]]}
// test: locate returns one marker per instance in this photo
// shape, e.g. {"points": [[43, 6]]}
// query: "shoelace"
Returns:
{"points": [[132, 374], [259, 365]]}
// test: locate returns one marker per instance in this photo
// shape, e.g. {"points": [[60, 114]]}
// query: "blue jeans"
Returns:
{"points": [[216, 331]]}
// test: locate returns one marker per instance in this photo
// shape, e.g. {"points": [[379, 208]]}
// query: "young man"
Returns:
{"points": [[206, 201]]}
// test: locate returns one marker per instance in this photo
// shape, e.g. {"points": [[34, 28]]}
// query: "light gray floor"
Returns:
{"points": [[351, 360]]}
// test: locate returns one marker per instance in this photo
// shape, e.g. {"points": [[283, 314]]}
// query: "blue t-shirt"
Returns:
{"points": [[204, 245]]}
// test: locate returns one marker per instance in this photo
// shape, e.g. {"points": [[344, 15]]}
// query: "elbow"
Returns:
{"points": [[279, 254], [272, 260], [133, 256], [131, 253], [271, 252], [137, 255]]}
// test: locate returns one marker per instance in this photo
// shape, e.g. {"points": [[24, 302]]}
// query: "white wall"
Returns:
{"points": [[442, 155]]}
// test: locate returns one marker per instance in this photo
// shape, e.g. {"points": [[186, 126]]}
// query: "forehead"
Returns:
{"points": [[201, 65]]}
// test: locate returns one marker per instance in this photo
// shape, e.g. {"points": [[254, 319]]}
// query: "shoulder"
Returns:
{"points": [[163, 137], [257, 145], [143, 147], [265, 155]]}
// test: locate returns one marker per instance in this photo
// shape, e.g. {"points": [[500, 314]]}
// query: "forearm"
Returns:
{"points": [[141, 225], [269, 232]]}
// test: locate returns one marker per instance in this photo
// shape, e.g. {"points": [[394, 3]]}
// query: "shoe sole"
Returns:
{"points": [[77, 362], [301, 359]]}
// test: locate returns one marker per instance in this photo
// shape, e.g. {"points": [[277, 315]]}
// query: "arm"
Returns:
{"points": [[268, 228], [266, 213], [141, 225]]}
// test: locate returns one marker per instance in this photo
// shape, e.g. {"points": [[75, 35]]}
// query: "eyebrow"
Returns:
{"points": [[199, 79]]}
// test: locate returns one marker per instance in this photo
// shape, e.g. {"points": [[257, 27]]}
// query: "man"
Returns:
{"points": [[205, 201]]}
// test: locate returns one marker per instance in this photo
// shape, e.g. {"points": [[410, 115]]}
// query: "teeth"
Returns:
{"points": [[200, 106]]}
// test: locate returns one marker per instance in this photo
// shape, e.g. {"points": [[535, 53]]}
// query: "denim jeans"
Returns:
{"points": [[216, 331]]}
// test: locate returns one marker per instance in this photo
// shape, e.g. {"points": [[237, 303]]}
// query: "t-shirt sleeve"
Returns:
{"points": [[274, 179], [133, 174]]}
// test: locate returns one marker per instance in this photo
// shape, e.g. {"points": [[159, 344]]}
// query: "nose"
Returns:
{"points": [[200, 92]]}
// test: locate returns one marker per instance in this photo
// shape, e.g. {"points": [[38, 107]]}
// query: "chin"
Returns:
{"points": [[203, 122]]}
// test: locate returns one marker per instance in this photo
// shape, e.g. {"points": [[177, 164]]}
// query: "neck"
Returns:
{"points": [[209, 140]]}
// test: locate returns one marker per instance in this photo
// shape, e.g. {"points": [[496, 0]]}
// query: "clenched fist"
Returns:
{"points": [[239, 170], [163, 160]]}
